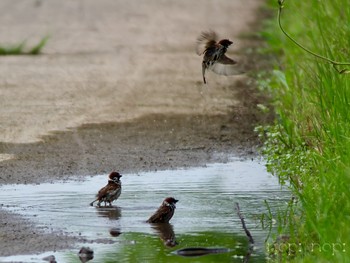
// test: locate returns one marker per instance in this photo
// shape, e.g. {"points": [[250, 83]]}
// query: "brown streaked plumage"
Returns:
{"points": [[165, 212], [214, 55], [111, 191]]}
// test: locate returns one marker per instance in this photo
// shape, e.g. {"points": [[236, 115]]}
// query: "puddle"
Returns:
{"points": [[205, 215]]}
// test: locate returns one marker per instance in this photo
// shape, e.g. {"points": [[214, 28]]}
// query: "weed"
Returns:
{"points": [[20, 49]]}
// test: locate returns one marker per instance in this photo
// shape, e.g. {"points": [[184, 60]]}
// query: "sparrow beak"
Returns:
{"points": [[175, 201]]}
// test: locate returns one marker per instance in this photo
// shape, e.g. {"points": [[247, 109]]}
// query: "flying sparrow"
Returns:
{"points": [[111, 191], [214, 55], [165, 212]]}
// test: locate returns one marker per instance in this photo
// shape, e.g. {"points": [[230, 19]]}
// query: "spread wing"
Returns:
{"points": [[205, 40], [226, 60], [226, 66]]}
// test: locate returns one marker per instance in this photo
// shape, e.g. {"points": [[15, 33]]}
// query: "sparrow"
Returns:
{"points": [[214, 55], [165, 212], [111, 191]]}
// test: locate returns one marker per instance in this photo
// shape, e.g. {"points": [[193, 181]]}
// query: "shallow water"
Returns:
{"points": [[205, 215]]}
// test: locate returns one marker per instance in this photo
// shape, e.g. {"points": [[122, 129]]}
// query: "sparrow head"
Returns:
{"points": [[114, 176], [225, 42], [170, 201]]}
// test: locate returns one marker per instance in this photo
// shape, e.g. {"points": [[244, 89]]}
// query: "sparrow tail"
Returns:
{"points": [[92, 203], [203, 73]]}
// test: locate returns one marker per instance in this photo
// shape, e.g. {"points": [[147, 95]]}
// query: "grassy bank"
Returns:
{"points": [[309, 144]]}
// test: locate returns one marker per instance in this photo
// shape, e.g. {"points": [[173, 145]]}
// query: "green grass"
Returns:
{"points": [[20, 49], [309, 144]]}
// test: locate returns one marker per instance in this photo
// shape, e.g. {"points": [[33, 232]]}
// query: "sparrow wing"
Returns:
{"points": [[102, 192], [159, 216], [105, 190], [226, 66], [226, 60], [205, 40]]}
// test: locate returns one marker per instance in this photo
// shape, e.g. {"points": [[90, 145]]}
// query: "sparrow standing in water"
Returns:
{"points": [[165, 212], [214, 55], [111, 191]]}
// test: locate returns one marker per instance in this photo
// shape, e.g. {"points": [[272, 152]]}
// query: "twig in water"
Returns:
{"points": [[251, 240]]}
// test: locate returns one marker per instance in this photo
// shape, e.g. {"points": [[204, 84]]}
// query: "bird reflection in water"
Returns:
{"points": [[85, 254], [166, 233], [113, 213]]}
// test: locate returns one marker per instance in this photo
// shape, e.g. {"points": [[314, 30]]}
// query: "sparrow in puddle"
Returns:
{"points": [[165, 212], [111, 191], [214, 55]]}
